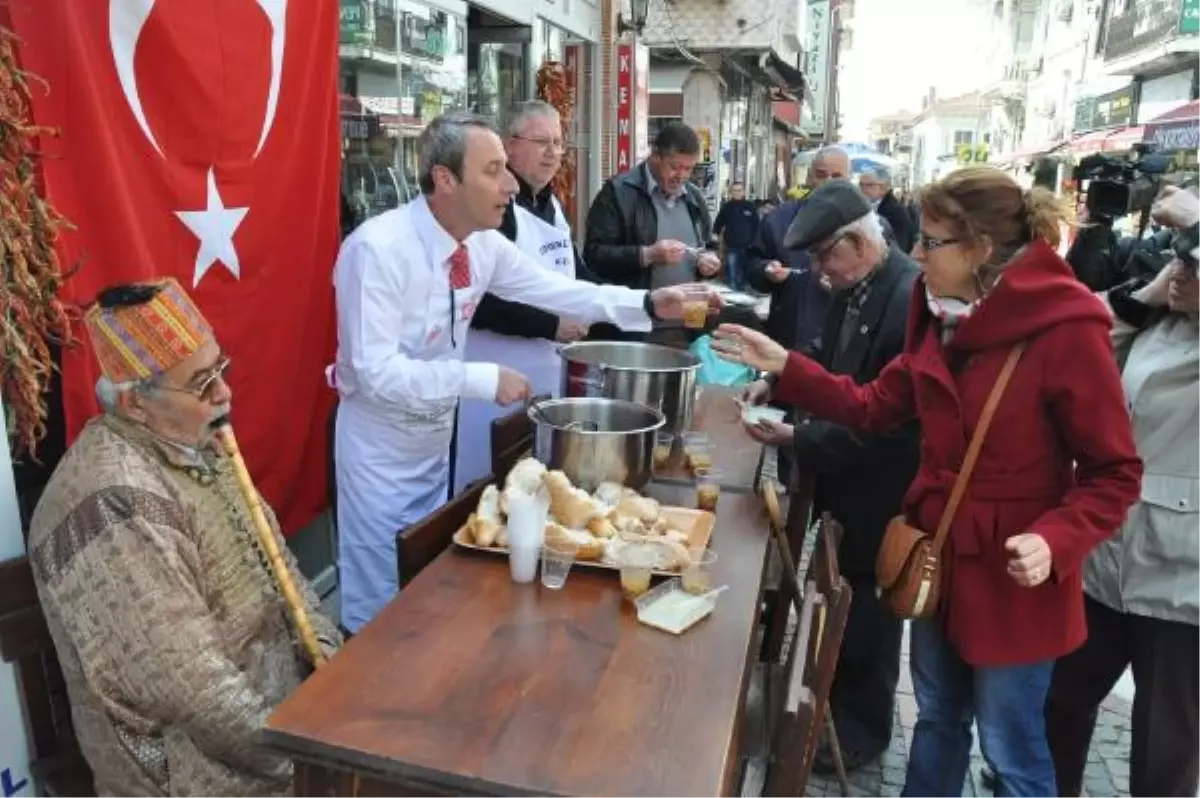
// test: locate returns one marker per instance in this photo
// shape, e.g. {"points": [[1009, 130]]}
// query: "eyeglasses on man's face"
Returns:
{"points": [[203, 383]]}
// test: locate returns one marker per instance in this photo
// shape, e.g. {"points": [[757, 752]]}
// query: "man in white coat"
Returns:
{"points": [[407, 283], [514, 334]]}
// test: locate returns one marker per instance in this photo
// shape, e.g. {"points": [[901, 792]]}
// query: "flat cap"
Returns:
{"points": [[825, 211]]}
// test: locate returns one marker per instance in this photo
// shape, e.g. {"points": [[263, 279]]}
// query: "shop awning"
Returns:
{"points": [[1178, 129], [787, 78], [1087, 143], [1123, 139]]}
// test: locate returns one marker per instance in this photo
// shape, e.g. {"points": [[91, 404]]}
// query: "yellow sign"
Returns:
{"points": [[968, 153]]}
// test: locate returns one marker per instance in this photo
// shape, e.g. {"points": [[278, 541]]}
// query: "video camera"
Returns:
{"points": [[1120, 186]]}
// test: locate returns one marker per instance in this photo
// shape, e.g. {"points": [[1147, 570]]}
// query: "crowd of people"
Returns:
{"points": [[1073, 554]]}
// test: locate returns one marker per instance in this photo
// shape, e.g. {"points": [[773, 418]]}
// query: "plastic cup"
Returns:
{"points": [[697, 578], [663, 443], [700, 457], [635, 580], [708, 488], [557, 558], [695, 307], [523, 563]]}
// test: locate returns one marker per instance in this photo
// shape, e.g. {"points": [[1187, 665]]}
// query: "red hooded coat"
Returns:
{"points": [[1059, 459]]}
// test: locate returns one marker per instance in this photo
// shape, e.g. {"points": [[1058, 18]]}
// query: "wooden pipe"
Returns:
{"points": [[266, 538]]}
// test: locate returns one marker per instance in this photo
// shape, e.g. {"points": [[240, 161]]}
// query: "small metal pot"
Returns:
{"points": [[615, 443], [652, 375]]}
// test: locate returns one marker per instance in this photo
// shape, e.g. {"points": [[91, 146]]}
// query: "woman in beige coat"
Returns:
{"points": [[1143, 585]]}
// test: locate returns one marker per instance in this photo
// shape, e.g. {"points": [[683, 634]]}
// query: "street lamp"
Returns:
{"points": [[639, 10]]}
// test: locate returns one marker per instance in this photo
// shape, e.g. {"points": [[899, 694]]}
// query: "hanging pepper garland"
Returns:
{"points": [[31, 314], [553, 88]]}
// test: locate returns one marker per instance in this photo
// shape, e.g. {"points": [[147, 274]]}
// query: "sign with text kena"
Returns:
{"points": [[624, 107]]}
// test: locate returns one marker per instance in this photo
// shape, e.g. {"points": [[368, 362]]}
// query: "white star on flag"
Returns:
{"points": [[214, 226]]}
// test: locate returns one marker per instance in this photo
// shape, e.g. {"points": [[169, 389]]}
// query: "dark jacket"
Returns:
{"points": [[622, 220], [514, 318], [738, 219], [798, 304], [892, 212], [1059, 461], [841, 461]]}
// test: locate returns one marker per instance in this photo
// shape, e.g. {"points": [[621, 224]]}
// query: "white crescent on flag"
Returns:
{"points": [[127, 18]]}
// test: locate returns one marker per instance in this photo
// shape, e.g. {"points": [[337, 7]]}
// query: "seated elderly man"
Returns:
{"points": [[173, 637]]}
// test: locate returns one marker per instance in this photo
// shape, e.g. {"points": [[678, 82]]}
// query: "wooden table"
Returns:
{"points": [[735, 454], [470, 684]]}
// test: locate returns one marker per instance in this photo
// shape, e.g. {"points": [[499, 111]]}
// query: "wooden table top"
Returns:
{"points": [[735, 454], [476, 684]]}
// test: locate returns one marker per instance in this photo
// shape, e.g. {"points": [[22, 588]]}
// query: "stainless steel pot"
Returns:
{"points": [[656, 376], [609, 440]]}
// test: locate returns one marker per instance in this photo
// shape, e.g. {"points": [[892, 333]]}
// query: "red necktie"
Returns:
{"points": [[460, 268]]}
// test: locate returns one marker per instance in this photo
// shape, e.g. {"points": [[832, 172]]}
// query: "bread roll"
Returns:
{"points": [[589, 548], [570, 506], [639, 507], [486, 522], [602, 528]]}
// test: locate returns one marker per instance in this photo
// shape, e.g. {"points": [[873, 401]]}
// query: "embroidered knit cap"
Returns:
{"points": [[140, 330]]}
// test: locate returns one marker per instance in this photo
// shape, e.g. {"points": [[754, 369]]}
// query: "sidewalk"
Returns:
{"points": [[1107, 772]]}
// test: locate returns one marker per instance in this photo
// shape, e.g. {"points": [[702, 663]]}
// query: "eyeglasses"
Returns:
{"points": [[554, 145], [819, 255], [929, 243], [205, 388]]}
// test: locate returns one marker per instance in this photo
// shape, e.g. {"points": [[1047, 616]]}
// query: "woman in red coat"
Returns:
{"points": [[1056, 474]]}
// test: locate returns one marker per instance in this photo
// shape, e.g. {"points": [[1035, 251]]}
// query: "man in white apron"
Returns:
{"points": [[514, 334], [407, 283]]}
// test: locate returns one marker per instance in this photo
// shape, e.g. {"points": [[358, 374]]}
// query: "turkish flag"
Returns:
{"points": [[200, 139]]}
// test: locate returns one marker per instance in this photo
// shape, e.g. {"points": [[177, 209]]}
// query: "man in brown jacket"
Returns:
{"points": [[171, 632]]}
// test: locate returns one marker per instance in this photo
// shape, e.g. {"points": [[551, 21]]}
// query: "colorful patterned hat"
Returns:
{"points": [[140, 340]]}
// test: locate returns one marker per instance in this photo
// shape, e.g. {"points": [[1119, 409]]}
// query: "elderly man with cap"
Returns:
{"points": [[859, 480], [170, 628]]}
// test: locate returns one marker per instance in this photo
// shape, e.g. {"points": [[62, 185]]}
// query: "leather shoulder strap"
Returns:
{"points": [[981, 429]]}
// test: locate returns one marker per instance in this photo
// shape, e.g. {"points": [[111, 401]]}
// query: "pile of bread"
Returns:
{"points": [[600, 524]]}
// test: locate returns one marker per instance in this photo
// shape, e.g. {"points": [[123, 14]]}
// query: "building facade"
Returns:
{"points": [[404, 62]]}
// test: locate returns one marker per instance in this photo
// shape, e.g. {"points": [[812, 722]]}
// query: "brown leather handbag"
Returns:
{"points": [[908, 568]]}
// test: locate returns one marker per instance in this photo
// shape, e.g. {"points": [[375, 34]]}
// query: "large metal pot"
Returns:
{"points": [[656, 376], [608, 440]]}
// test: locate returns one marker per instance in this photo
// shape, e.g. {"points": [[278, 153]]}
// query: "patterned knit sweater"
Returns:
{"points": [[172, 636]]}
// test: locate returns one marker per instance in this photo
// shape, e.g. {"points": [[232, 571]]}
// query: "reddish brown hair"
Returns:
{"points": [[980, 201]]}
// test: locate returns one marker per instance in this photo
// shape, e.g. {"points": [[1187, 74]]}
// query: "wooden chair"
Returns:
{"points": [[512, 439], [784, 591], [788, 704], [57, 767], [421, 543]]}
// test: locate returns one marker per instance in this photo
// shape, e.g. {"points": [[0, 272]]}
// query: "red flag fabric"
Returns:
{"points": [[200, 139]]}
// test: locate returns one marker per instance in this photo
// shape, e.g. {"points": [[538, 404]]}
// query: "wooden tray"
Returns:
{"points": [[697, 523]]}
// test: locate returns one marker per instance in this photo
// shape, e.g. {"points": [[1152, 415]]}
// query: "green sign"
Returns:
{"points": [[355, 27], [1189, 17]]}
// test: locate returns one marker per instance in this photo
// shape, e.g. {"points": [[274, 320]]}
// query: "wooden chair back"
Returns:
{"points": [[811, 667], [421, 543], [511, 439], [57, 767]]}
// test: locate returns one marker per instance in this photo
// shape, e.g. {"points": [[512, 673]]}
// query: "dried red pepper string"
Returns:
{"points": [[31, 314], [553, 88]]}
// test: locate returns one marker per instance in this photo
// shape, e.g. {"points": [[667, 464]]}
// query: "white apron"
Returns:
{"points": [[536, 358], [393, 467]]}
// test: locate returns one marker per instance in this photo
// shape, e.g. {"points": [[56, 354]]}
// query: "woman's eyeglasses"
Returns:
{"points": [[929, 243]]}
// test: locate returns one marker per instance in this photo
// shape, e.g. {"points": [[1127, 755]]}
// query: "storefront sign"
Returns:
{"points": [[816, 66], [1114, 109], [1189, 17], [625, 142], [355, 22], [1134, 26], [1181, 135], [641, 94]]}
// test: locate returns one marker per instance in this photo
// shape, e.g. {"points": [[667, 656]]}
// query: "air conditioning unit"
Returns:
{"points": [[1065, 10]]}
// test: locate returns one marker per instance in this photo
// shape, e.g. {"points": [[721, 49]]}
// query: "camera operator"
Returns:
{"points": [[1099, 258]]}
